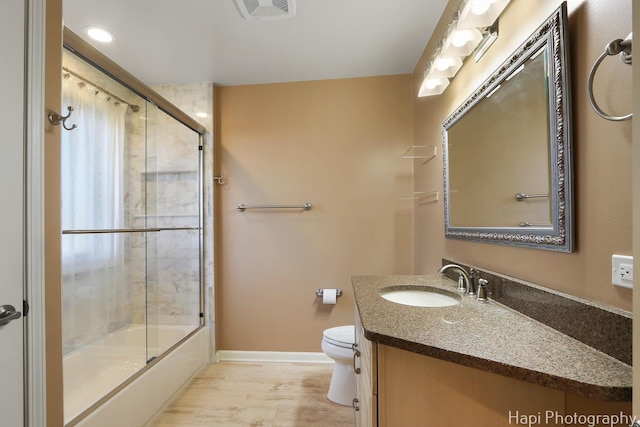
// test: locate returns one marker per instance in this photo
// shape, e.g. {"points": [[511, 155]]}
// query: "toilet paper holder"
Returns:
{"points": [[320, 292]]}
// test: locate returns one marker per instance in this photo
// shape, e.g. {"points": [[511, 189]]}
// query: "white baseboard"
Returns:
{"points": [[272, 356]]}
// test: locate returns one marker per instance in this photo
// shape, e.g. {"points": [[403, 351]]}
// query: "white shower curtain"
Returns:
{"points": [[96, 296]]}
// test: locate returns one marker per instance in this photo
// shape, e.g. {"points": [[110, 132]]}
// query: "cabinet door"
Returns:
{"points": [[417, 391], [365, 359]]}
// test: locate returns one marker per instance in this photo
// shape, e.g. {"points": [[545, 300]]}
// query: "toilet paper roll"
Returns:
{"points": [[329, 296]]}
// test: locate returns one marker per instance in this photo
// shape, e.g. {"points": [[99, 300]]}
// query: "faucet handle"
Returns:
{"points": [[471, 290], [482, 289], [461, 285]]}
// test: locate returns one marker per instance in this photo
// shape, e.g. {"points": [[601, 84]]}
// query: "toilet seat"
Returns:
{"points": [[340, 336]]}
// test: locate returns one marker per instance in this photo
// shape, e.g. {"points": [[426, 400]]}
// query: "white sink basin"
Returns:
{"points": [[420, 296]]}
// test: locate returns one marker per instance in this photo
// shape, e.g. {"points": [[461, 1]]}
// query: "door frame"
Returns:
{"points": [[635, 195], [34, 292]]}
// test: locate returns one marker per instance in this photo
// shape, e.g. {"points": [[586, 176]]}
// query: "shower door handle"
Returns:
{"points": [[7, 314]]}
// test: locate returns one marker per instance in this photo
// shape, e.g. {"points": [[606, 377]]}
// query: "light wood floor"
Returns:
{"points": [[257, 394]]}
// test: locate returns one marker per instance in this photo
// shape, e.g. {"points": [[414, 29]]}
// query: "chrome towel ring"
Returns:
{"points": [[615, 47]]}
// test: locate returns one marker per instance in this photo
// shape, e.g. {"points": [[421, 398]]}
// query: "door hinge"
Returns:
{"points": [[200, 147], [25, 308]]}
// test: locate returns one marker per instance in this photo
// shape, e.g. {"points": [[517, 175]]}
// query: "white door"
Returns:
{"points": [[12, 111]]}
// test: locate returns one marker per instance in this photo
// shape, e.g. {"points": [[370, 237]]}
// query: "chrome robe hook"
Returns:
{"points": [[56, 119]]}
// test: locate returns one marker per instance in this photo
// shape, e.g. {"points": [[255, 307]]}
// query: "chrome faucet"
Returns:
{"points": [[469, 283], [473, 285], [466, 284]]}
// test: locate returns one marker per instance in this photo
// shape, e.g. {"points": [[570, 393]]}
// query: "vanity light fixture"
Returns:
{"points": [[432, 85], [480, 13], [100, 35], [460, 41], [443, 66], [488, 39], [494, 91], [474, 28], [514, 73]]}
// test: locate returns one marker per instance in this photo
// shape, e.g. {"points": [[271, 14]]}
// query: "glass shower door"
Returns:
{"points": [[131, 180], [173, 206], [98, 238]]}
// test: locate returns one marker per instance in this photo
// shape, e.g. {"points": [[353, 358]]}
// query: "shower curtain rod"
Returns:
{"points": [[85, 51], [134, 108]]}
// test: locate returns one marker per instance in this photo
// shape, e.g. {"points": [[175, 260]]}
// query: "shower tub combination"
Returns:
{"points": [[94, 371], [132, 244]]}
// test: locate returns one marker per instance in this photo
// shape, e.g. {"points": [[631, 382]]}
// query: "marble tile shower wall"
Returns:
{"points": [[164, 193], [198, 98]]}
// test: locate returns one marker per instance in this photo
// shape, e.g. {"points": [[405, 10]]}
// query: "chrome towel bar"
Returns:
{"points": [[521, 197], [306, 206], [533, 224]]}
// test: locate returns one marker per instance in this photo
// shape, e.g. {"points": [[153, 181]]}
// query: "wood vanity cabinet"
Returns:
{"points": [[365, 361], [417, 390], [396, 387]]}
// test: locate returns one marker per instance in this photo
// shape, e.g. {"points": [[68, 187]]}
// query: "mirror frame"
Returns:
{"points": [[552, 36]]}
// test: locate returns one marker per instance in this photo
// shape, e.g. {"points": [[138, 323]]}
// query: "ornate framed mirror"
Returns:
{"points": [[507, 149]]}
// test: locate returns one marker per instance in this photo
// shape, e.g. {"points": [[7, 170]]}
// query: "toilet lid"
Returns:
{"points": [[343, 336]]}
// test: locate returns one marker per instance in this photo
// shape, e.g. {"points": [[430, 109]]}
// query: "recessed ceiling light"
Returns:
{"points": [[98, 34], [202, 115]]}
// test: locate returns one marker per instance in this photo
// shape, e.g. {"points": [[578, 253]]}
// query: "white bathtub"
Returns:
{"points": [[94, 371]]}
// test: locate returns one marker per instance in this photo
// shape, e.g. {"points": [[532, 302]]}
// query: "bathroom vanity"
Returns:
{"points": [[474, 363]]}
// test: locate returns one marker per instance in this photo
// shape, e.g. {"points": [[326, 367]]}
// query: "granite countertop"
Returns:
{"points": [[488, 336]]}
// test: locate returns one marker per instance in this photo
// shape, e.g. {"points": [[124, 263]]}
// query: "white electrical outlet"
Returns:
{"points": [[626, 271], [622, 271]]}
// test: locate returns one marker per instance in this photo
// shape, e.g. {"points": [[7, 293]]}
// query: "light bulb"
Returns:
{"points": [[480, 7], [459, 38], [443, 63], [432, 86]]}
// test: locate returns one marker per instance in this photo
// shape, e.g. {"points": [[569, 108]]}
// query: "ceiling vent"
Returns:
{"points": [[267, 9]]}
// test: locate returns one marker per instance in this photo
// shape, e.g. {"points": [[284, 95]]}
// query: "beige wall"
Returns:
{"points": [[602, 153], [337, 144], [53, 297]]}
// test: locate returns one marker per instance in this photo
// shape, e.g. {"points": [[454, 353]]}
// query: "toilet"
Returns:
{"points": [[337, 343]]}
